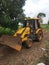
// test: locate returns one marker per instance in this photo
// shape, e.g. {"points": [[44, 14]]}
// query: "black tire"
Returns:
{"points": [[29, 43], [40, 35]]}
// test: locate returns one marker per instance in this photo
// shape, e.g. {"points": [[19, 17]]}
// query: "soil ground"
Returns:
{"points": [[9, 56]]}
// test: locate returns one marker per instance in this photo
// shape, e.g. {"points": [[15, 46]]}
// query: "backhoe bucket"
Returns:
{"points": [[11, 41]]}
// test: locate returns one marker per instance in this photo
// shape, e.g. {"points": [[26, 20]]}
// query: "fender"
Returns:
{"points": [[38, 30]]}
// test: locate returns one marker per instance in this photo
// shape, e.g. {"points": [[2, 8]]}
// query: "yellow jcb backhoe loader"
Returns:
{"points": [[30, 31]]}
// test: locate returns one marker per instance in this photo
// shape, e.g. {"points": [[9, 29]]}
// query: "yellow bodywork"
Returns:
{"points": [[38, 30], [23, 32], [26, 31]]}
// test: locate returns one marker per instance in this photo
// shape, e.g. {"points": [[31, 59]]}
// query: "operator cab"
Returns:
{"points": [[34, 23]]}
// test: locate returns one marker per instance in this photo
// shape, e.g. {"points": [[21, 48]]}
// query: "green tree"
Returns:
{"points": [[41, 16], [11, 12], [48, 22]]}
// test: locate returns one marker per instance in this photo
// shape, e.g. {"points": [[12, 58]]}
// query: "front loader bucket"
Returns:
{"points": [[11, 41]]}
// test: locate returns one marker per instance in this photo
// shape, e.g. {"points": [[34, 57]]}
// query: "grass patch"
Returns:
{"points": [[45, 26]]}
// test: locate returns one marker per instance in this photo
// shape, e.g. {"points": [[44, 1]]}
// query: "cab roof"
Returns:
{"points": [[32, 18]]}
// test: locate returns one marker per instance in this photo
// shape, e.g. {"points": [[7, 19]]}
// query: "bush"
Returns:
{"points": [[2, 30], [7, 31]]}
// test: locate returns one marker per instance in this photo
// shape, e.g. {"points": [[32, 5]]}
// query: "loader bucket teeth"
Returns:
{"points": [[11, 41]]}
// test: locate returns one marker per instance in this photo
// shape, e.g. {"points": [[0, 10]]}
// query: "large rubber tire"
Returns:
{"points": [[28, 43], [40, 35]]}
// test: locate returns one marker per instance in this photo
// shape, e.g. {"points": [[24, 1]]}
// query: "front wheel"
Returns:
{"points": [[28, 43]]}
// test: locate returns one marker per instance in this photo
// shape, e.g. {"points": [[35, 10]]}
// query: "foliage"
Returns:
{"points": [[11, 13], [48, 22], [8, 31], [41, 15], [12, 7], [1, 30]]}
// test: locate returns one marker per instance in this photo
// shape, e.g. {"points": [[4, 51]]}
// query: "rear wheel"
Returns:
{"points": [[28, 43], [39, 35]]}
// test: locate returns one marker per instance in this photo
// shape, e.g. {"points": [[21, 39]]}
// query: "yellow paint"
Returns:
{"points": [[32, 19], [16, 47], [24, 39], [26, 32], [38, 30], [19, 31]]}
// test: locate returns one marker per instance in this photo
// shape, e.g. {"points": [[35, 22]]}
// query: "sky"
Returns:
{"points": [[33, 7]]}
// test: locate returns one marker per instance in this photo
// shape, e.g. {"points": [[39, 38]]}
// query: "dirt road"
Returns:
{"points": [[9, 56]]}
